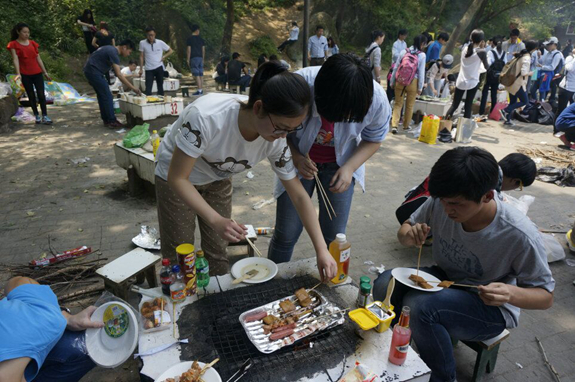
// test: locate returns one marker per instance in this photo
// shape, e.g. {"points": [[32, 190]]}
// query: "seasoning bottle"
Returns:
{"points": [[177, 289], [340, 249], [363, 295], [400, 339], [166, 276], [202, 269], [264, 230]]}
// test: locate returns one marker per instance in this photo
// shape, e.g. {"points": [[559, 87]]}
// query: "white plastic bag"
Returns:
{"points": [[553, 248], [415, 131], [170, 69], [522, 204]]}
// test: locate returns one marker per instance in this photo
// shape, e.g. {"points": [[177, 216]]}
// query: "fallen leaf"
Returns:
{"points": [[30, 213], [80, 230], [367, 215], [86, 191]]}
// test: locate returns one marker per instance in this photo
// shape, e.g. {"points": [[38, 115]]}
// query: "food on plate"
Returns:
{"points": [[420, 282], [255, 317], [278, 324], [284, 327], [445, 284], [148, 324], [270, 319], [152, 313], [192, 375], [303, 297], [146, 305], [281, 334], [287, 306]]}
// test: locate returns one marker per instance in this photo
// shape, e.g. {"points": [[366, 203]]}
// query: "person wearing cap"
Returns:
{"points": [[513, 45], [550, 64], [41, 340], [235, 69], [436, 73]]}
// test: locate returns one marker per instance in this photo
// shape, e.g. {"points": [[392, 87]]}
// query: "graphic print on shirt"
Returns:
{"points": [[284, 158], [324, 138], [192, 136], [458, 255], [228, 167]]}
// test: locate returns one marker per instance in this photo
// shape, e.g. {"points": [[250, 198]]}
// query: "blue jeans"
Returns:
{"points": [[437, 317], [243, 82], [105, 99], [516, 101], [197, 66], [289, 226], [68, 361]]}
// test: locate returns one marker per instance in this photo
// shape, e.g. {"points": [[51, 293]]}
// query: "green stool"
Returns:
{"points": [[486, 354]]}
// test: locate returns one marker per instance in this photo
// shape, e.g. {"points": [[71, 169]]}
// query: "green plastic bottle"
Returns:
{"points": [[202, 269]]}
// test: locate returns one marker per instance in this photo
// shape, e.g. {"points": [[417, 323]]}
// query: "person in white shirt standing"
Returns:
{"points": [[317, 48], [398, 46], [293, 37], [549, 66], [373, 52], [152, 53], [567, 85]]}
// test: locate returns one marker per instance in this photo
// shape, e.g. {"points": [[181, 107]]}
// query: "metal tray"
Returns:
{"points": [[324, 315]]}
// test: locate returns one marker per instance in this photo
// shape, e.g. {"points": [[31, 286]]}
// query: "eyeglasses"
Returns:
{"points": [[278, 131]]}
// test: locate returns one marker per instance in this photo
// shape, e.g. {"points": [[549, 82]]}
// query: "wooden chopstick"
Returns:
{"points": [[256, 250], [315, 287], [326, 201], [206, 367], [454, 284], [418, 260]]}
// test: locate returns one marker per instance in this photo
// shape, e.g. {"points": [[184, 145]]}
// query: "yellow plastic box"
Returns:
{"points": [[374, 316]]}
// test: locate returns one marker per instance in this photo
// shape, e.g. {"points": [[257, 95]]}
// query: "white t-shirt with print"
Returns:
{"points": [[153, 53], [208, 130]]}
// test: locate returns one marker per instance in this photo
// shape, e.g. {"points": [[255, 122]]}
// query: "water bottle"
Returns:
{"points": [[202, 270]]}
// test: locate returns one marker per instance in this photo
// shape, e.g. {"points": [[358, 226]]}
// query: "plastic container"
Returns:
{"points": [[340, 249], [202, 270], [178, 288], [182, 251], [189, 273], [374, 316], [155, 138]]}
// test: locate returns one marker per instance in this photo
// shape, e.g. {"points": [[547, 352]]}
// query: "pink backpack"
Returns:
{"points": [[407, 68]]}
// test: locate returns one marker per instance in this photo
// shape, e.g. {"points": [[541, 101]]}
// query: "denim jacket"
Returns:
{"points": [[347, 136]]}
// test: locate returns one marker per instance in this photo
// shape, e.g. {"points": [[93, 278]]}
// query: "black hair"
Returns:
{"points": [[17, 28], [444, 36], [428, 36], [519, 166], [294, 23], [224, 59], [132, 62], [476, 37], [318, 27], [330, 42], [235, 55], [530, 45], [85, 19], [262, 59], [150, 28], [514, 32], [402, 32], [419, 40], [195, 27], [274, 57], [343, 89], [281, 92], [128, 43], [375, 35], [496, 40], [469, 172], [451, 77]]}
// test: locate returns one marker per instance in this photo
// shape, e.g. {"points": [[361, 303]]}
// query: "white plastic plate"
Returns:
{"points": [[402, 275], [211, 375], [267, 269]]}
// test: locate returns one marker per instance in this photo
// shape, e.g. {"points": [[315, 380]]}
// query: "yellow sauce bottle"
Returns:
{"points": [[340, 249], [155, 141]]}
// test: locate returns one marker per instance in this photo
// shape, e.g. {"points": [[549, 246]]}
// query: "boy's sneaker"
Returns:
{"points": [[38, 120], [508, 123], [570, 240], [198, 92], [572, 147], [46, 120], [394, 130], [564, 139], [115, 125], [503, 114]]}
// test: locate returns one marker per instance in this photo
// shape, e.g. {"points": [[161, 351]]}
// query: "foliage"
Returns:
{"points": [[262, 45]]}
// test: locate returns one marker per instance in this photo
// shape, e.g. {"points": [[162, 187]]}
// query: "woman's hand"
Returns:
{"points": [[229, 230], [326, 265], [305, 166], [341, 180]]}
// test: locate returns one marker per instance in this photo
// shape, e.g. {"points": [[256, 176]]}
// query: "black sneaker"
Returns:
{"points": [[508, 123], [503, 114]]}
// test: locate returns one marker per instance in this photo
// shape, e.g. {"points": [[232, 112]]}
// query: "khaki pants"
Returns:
{"points": [[316, 61], [409, 91], [178, 222]]}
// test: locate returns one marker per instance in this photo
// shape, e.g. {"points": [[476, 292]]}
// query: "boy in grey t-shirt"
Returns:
{"points": [[477, 240]]}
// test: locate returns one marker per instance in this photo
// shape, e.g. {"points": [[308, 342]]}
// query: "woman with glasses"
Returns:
{"points": [[220, 135], [346, 126]]}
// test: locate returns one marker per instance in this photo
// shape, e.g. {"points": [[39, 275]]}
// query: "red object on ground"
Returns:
{"points": [[73, 253]]}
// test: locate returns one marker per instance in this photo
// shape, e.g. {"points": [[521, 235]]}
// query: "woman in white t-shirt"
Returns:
{"points": [[220, 135], [472, 56]]}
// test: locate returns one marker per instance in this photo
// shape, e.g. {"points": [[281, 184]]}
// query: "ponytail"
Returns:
{"points": [[375, 35], [476, 37], [281, 92], [17, 28]]}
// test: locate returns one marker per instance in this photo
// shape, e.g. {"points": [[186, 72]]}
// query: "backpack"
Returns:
{"points": [[508, 74], [495, 69], [407, 68], [545, 114], [367, 57], [559, 68]]}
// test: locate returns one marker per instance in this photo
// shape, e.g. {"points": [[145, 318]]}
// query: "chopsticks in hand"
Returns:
{"points": [[256, 250], [321, 191]]}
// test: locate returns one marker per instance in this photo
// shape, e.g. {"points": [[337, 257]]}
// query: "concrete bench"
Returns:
{"points": [[487, 352]]}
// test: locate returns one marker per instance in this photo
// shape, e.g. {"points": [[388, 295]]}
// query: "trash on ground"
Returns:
{"points": [[148, 238], [250, 175], [263, 203]]}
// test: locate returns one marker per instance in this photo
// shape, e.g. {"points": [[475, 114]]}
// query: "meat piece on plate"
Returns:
{"points": [[416, 279], [269, 319], [283, 328], [445, 284], [255, 316], [303, 297], [424, 285], [280, 335], [287, 306]]}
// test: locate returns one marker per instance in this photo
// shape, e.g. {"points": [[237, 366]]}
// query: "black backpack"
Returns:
{"points": [[367, 57], [495, 69], [559, 68]]}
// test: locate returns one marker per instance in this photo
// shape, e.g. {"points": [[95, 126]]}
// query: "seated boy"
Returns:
{"points": [[39, 341], [478, 240]]}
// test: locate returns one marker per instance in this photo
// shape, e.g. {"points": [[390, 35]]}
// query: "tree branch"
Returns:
{"points": [[497, 13]]}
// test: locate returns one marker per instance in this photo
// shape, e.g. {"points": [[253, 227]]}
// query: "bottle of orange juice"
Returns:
{"points": [[340, 249]]}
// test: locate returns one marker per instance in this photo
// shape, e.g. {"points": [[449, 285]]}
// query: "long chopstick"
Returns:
{"points": [[206, 367], [418, 260], [315, 287], [326, 201], [461, 285], [256, 250]]}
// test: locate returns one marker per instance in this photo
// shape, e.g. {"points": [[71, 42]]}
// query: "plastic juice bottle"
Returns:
{"points": [[400, 339], [177, 289], [202, 269], [340, 249], [166, 276], [155, 138]]}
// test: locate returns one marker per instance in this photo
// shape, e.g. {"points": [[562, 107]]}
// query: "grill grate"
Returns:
{"points": [[214, 330]]}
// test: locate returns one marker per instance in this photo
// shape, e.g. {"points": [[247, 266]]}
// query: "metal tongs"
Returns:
{"points": [[242, 371]]}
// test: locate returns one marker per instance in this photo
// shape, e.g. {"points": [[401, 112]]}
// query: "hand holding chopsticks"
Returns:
{"points": [[256, 250], [321, 191]]}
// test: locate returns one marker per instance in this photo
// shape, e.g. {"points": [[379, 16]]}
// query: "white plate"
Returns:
{"points": [[267, 269], [211, 375], [402, 275], [105, 350]]}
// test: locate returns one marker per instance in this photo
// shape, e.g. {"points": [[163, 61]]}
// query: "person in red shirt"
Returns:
{"points": [[29, 67]]}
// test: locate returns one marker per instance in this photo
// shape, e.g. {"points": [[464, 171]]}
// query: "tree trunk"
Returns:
{"points": [[463, 24], [438, 14], [228, 29]]}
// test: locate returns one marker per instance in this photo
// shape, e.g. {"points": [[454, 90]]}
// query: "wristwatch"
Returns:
{"points": [[64, 309]]}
